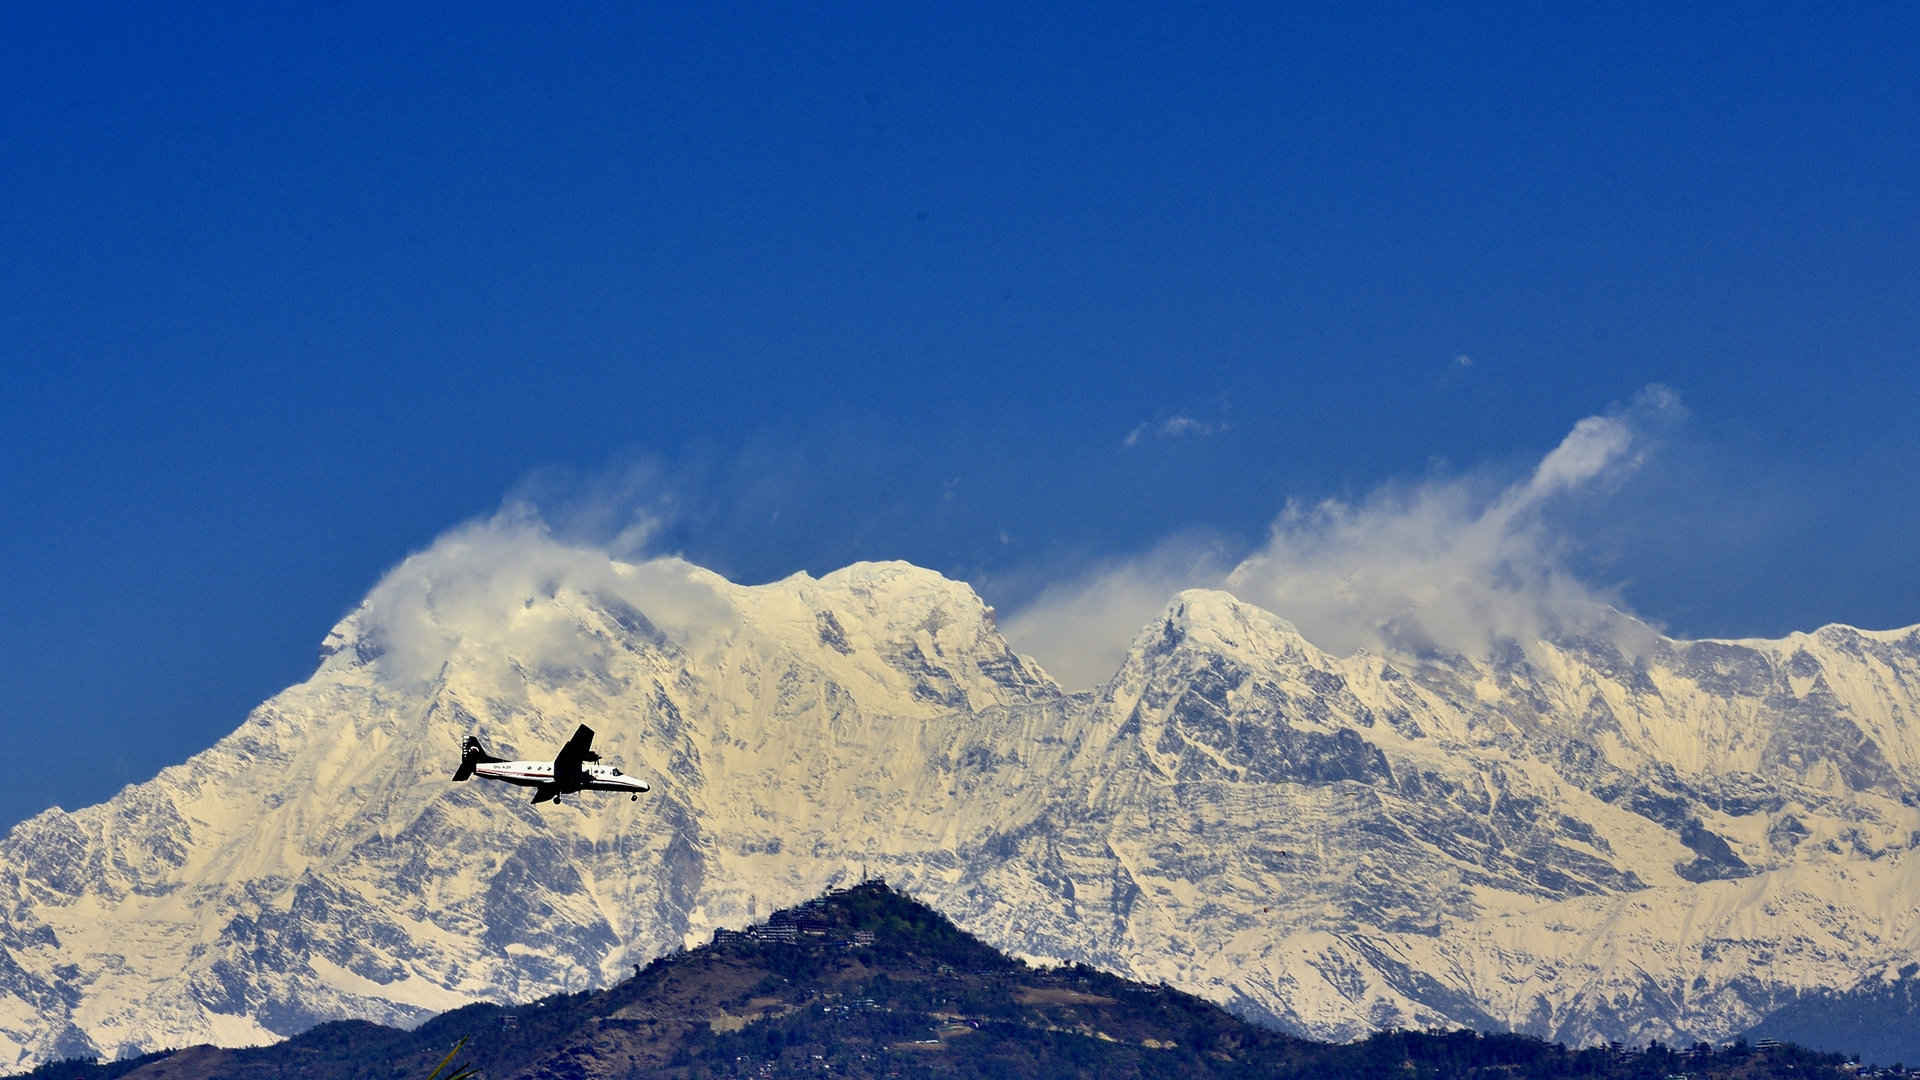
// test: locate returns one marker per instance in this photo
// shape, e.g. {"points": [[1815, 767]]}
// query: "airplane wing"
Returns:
{"points": [[567, 763], [545, 792]]}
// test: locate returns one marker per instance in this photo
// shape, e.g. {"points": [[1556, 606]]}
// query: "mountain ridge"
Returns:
{"points": [[1331, 843]]}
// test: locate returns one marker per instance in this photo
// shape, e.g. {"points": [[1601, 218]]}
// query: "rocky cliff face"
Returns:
{"points": [[1619, 836]]}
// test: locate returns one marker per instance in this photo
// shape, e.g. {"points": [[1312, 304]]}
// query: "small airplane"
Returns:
{"points": [[568, 772]]}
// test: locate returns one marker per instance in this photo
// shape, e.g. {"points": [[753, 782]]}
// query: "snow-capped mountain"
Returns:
{"points": [[1612, 836]]}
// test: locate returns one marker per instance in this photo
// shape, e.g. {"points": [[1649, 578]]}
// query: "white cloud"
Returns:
{"points": [[479, 589], [1078, 628], [1453, 563], [1179, 425]]}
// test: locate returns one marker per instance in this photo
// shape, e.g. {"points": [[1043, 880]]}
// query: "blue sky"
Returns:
{"points": [[1004, 291]]}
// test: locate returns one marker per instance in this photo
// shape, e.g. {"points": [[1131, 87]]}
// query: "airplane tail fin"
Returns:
{"points": [[471, 754]]}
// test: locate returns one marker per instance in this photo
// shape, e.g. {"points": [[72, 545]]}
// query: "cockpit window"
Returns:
{"points": [[616, 770]]}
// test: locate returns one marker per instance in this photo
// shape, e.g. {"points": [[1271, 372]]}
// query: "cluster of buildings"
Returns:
{"points": [[790, 928]]}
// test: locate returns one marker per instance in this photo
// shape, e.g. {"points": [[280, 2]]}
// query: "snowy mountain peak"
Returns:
{"points": [[1217, 621], [1594, 837], [883, 602], [895, 635]]}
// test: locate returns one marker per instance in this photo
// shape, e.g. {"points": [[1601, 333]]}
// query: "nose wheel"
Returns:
{"points": [[636, 798]]}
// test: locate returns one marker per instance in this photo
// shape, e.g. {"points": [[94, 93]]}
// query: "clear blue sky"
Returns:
{"points": [[286, 294]]}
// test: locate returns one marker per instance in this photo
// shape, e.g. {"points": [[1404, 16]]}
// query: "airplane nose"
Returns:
{"points": [[644, 786]]}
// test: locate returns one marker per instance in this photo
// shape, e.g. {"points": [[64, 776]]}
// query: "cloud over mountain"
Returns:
{"points": [[1453, 562], [484, 583]]}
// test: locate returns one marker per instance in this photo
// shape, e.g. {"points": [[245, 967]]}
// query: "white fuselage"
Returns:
{"points": [[536, 773]]}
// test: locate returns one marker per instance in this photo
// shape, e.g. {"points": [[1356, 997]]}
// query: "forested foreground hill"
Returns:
{"points": [[868, 983]]}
